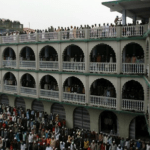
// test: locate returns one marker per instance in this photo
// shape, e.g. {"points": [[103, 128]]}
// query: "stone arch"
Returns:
{"points": [[74, 79], [28, 77], [137, 86], [23, 52], [59, 109], [103, 81], [20, 103], [108, 122], [81, 118], [4, 99], [10, 75], [103, 49], [138, 128], [37, 106], [48, 79], [131, 50], [76, 50], [50, 51], [9, 51]]}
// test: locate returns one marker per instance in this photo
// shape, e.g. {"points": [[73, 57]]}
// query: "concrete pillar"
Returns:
{"points": [[86, 58], [119, 58], [145, 97], [69, 109], [124, 123], [37, 59], [28, 103], [47, 106], [148, 63], [94, 119], [118, 94], [60, 88], [119, 31], [17, 58], [60, 58], [11, 100], [37, 85], [87, 91], [124, 17]]}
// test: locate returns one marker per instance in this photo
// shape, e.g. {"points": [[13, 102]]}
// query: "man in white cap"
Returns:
{"points": [[113, 146], [93, 145]]}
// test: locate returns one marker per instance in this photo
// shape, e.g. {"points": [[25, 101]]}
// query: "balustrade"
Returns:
{"points": [[134, 68], [47, 36], [73, 97], [74, 66], [137, 105], [9, 39], [11, 88], [27, 90], [49, 94], [102, 67], [9, 63], [28, 64], [48, 65], [27, 38], [102, 101]]}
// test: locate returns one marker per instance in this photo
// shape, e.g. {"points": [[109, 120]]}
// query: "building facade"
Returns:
{"points": [[96, 80]]}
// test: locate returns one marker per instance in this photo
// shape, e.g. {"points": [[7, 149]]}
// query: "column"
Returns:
{"points": [[87, 91], [18, 84], [119, 58], [124, 17], [37, 85], [60, 59], [60, 88], [17, 58], [86, 57], [118, 95], [148, 63]]}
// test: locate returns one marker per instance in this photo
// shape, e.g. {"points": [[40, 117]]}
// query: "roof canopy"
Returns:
{"points": [[138, 8]]}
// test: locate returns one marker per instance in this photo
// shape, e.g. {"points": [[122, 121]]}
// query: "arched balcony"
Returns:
{"points": [[49, 88], [133, 96], [73, 59], [10, 82], [103, 94], [27, 58], [133, 59], [28, 85], [9, 58], [48, 58], [102, 59], [74, 90]]}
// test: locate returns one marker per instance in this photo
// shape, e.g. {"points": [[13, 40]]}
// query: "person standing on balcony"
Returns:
{"points": [[74, 32], [116, 20], [71, 33]]}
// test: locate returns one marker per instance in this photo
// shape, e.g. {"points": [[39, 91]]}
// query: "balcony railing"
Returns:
{"points": [[9, 63], [74, 66], [136, 105], [11, 88], [103, 32], [27, 90], [49, 65], [27, 38], [137, 30], [28, 64], [9, 39], [133, 68], [102, 67], [73, 97], [73, 34], [47, 36], [102, 101], [49, 94]]}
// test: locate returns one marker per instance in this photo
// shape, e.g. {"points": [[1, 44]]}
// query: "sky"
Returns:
{"points": [[41, 14]]}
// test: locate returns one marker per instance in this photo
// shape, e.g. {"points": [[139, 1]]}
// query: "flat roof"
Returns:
{"points": [[138, 8]]}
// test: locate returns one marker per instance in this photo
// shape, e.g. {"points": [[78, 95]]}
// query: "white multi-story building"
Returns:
{"points": [[96, 79]]}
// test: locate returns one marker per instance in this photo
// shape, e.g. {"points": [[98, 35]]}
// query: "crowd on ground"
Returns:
{"points": [[33, 130]]}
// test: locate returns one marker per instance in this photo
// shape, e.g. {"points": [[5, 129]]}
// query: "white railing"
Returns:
{"points": [[137, 30], [74, 66], [109, 102], [11, 88], [73, 34], [27, 90], [103, 32], [102, 67], [27, 38], [48, 65], [9, 63], [74, 97], [48, 36], [27, 64], [49, 94], [137, 105], [9, 39], [134, 68]]}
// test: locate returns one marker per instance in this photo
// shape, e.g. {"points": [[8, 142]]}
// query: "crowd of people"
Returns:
{"points": [[34, 130]]}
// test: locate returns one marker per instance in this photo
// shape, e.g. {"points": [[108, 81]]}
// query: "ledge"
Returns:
{"points": [[79, 105]]}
